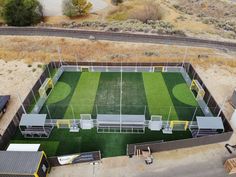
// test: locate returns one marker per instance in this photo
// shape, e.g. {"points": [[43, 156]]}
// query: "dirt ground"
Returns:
{"points": [[45, 49], [16, 79]]}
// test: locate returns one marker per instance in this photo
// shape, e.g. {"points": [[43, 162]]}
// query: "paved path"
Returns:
{"points": [[124, 37]]}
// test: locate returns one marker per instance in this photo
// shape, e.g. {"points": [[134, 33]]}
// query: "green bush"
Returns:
{"points": [[22, 12], [1, 7]]}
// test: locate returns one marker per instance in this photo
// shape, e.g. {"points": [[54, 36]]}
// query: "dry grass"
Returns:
{"points": [[45, 49], [190, 24], [136, 9]]}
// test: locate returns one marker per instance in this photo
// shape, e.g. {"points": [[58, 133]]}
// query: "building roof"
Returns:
{"points": [[116, 118], [3, 101], [23, 147], [19, 162], [233, 99], [33, 120], [210, 123]]}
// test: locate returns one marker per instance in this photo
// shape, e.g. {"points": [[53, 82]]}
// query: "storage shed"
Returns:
{"points": [[3, 103], [34, 126], [23, 164]]}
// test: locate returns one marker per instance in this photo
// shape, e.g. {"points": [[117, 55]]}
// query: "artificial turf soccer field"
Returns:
{"points": [[92, 92]]}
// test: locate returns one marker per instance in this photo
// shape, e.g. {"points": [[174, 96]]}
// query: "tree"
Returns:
{"points": [[22, 12], [73, 8], [1, 7]]}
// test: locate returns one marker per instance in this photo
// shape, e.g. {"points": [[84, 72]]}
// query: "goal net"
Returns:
{"points": [[179, 125]]}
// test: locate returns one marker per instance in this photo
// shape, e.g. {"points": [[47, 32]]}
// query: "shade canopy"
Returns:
{"points": [[210, 123], [33, 120], [117, 119]]}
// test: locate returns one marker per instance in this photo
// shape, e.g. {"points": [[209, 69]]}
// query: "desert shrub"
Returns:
{"points": [[120, 12], [151, 53], [116, 2], [119, 16], [73, 8], [22, 12], [119, 56], [149, 11], [130, 25], [210, 20], [227, 26]]}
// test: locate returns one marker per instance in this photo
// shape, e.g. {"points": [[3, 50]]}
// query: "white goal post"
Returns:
{"points": [[86, 121]]}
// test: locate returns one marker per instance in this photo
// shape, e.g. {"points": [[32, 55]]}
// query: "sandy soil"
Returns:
{"points": [[16, 78], [220, 80]]}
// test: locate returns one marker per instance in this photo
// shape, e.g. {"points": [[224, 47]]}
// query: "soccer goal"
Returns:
{"points": [[45, 87], [179, 125], [85, 68], [63, 123], [196, 86], [155, 123], [86, 121], [158, 68]]}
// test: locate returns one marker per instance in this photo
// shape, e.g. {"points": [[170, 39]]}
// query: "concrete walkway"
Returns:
{"points": [[54, 7]]}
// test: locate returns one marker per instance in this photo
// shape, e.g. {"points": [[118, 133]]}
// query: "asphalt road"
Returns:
{"points": [[112, 36]]}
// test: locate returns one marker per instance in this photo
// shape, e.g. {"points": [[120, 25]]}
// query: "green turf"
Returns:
{"points": [[100, 93], [158, 98], [50, 147], [82, 101], [181, 96], [109, 92], [110, 144], [168, 92], [61, 95]]}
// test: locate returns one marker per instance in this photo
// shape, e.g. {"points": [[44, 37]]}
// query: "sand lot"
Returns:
{"points": [[16, 79]]}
